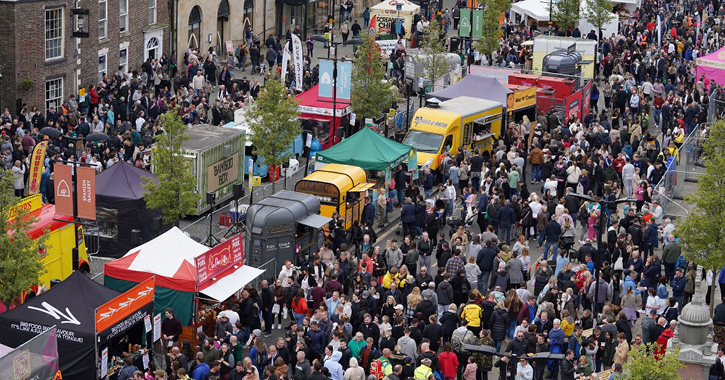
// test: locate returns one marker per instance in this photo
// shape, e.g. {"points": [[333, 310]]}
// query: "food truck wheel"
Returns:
{"points": [[85, 268]]}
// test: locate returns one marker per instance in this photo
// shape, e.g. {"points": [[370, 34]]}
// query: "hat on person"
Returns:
{"points": [[408, 360], [366, 294], [257, 332], [399, 307], [504, 247]]}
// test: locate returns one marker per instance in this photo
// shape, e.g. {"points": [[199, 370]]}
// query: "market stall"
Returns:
{"points": [[72, 305], [34, 359], [285, 226], [712, 66], [316, 117], [389, 12], [367, 150], [121, 208], [530, 11], [174, 259]]}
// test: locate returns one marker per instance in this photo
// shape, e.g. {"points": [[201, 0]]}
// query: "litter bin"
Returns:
{"points": [[455, 41]]}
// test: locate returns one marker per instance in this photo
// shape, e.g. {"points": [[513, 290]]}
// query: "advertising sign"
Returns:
{"points": [[413, 163], [344, 80], [36, 167], [27, 204], [223, 172], [521, 99], [63, 182], [586, 99], [464, 26], [86, 193], [297, 54], [477, 23], [326, 72], [230, 47], [573, 107], [218, 259], [122, 306]]}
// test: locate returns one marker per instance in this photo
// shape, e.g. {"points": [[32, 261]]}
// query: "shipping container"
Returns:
{"points": [[217, 161]]}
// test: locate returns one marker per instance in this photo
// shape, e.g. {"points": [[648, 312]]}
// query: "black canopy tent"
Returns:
{"points": [[71, 306], [121, 208]]}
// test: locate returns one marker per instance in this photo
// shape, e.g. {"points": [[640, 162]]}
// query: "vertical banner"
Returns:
{"points": [[326, 72], [477, 23], [344, 80], [157, 327], [104, 363], [464, 26], [86, 193], [299, 63], [659, 32], [63, 189], [373, 27], [285, 62], [37, 167]]}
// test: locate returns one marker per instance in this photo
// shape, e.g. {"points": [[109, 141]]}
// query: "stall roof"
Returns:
{"points": [[284, 207], [475, 86], [227, 285], [391, 5], [203, 137], [531, 8], [122, 180], [367, 150], [310, 103]]}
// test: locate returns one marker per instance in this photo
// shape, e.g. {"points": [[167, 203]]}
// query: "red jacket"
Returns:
{"points": [[94, 96], [448, 362]]}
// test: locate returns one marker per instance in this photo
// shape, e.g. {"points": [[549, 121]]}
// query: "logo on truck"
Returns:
{"points": [[420, 120]]}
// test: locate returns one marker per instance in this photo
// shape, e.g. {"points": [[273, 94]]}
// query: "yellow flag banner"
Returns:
{"points": [[37, 167]]}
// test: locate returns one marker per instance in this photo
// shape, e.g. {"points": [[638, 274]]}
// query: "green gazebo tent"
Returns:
{"points": [[367, 150]]}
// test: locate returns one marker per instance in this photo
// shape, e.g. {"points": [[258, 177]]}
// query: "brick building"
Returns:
{"points": [[43, 63]]}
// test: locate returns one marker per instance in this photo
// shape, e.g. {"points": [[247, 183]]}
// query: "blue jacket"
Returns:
{"points": [[369, 213], [556, 339], [428, 182], [317, 341], [651, 274], [629, 282], [552, 231], [650, 235], [678, 286], [407, 214], [200, 371], [506, 216]]}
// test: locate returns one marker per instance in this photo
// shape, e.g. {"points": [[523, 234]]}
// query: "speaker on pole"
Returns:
{"points": [[210, 198]]}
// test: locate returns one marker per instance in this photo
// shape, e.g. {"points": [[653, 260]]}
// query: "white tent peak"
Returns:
{"points": [[166, 253]]}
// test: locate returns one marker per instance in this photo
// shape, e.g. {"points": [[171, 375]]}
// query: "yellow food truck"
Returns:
{"points": [[449, 125], [339, 188]]}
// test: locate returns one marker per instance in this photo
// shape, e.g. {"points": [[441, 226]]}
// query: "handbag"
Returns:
{"points": [[619, 264], [275, 308]]}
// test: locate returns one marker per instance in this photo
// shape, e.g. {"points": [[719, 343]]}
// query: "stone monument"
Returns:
{"points": [[694, 336]]}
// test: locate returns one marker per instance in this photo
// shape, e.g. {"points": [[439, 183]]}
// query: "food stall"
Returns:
{"points": [[216, 155], [316, 117], [285, 226], [387, 14], [91, 323]]}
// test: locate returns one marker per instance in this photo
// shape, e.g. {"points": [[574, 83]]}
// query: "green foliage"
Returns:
{"points": [[20, 258], [370, 96], [565, 13], [598, 13], [433, 54], [642, 365], [491, 28], [701, 233], [273, 121], [175, 192]]}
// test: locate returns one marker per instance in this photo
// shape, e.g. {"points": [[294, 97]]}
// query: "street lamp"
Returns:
{"points": [[350, 41], [600, 225]]}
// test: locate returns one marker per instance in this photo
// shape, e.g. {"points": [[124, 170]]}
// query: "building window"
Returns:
{"points": [[102, 66], [53, 33], [123, 62], [53, 93], [194, 27], [123, 22], [152, 12], [102, 18]]}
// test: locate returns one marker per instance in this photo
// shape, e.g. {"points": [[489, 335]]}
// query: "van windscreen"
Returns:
{"points": [[423, 141]]}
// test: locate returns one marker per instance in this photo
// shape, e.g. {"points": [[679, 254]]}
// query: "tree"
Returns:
{"points": [[175, 191], [598, 13], [565, 13], [642, 365], [701, 233], [370, 96], [273, 120], [20, 256], [433, 54], [491, 27]]}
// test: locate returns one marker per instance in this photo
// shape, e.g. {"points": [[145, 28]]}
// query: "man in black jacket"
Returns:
{"points": [[484, 260], [518, 345], [568, 366], [267, 303]]}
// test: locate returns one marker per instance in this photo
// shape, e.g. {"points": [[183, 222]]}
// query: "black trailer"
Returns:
{"points": [[285, 226]]}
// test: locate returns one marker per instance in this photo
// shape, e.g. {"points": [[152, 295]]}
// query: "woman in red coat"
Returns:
{"points": [[662, 344], [448, 362]]}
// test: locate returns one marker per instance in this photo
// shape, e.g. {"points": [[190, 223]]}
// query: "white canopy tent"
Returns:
{"points": [[612, 27], [387, 13], [535, 9]]}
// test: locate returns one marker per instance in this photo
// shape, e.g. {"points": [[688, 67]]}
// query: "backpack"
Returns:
{"points": [[378, 368]]}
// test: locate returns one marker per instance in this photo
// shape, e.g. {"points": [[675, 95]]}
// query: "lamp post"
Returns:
{"points": [[351, 41], [600, 227]]}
